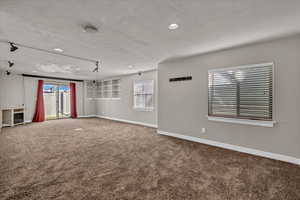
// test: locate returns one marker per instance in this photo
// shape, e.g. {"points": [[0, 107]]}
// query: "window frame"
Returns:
{"points": [[98, 92], [147, 109], [239, 119]]}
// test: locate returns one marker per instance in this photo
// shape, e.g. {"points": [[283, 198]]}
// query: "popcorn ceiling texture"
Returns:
{"points": [[109, 160]]}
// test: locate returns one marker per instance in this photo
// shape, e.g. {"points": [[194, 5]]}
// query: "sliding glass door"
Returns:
{"points": [[56, 101], [63, 101]]}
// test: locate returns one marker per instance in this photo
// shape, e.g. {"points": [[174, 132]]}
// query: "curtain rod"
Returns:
{"points": [[49, 77], [50, 52]]}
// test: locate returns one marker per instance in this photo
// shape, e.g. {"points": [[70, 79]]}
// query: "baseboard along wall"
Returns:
{"points": [[86, 116], [128, 121], [251, 151], [255, 152]]}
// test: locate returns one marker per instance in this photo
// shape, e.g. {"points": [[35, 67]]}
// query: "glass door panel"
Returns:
{"points": [[56, 101], [63, 101], [50, 101]]}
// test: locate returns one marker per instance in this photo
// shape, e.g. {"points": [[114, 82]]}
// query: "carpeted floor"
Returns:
{"points": [[89, 159]]}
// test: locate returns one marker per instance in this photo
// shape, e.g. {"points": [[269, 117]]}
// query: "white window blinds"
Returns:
{"points": [[143, 94], [242, 92]]}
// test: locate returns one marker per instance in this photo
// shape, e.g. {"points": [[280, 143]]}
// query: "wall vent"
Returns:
{"points": [[184, 78]]}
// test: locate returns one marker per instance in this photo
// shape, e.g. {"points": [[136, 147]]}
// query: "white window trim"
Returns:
{"points": [[263, 123], [243, 121], [242, 66], [142, 109]]}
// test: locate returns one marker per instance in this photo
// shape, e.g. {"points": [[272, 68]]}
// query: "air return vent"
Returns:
{"points": [[89, 28], [184, 78]]}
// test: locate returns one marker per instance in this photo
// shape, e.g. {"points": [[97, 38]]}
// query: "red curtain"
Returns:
{"points": [[73, 100], [39, 115]]}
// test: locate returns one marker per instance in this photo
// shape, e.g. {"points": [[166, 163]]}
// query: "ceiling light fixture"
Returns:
{"points": [[58, 50], [13, 47], [7, 72], [130, 66], [10, 64], [173, 26], [97, 67]]}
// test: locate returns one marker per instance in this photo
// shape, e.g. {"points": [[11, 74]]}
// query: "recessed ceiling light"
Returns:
{"points": [[130, 66], [173, 26], [58, 50]]}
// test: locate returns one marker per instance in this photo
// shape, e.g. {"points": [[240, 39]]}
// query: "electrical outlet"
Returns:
{"points": [[203, 130]]}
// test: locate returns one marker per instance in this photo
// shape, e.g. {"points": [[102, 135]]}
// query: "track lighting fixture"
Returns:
{"points": [[97, 67], [10, 64], [16, 46], [7, 72], [13, 47]]}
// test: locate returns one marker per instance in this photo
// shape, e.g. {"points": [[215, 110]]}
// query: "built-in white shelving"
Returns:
{"points": [[103, 89]]}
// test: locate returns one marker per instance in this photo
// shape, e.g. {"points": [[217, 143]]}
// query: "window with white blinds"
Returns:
{"points": [[143, 94], [241, 92]]}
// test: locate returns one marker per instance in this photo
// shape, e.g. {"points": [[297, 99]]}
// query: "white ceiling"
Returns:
{"points": [[133, 32]]}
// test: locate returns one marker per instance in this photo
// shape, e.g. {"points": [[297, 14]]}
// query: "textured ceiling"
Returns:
{"points": [[133, 32]]}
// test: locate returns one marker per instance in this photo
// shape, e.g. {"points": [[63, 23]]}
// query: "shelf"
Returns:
{"points": [[18, 112], [105, 88], [19, 123]]}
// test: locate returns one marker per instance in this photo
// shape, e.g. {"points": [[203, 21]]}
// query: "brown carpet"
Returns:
{"points": [[89, 159]]}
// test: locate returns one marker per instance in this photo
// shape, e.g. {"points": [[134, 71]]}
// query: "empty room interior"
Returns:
{"points": [[150, 100]]}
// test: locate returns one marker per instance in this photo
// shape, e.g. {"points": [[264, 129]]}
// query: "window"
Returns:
{"points": [[241, 92], [143, 95], [91, 89], [104, 89]]}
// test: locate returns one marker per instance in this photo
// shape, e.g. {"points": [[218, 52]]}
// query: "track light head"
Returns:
{"points": [[7, 72], [10, 64], [13, 47], [97, 67]]}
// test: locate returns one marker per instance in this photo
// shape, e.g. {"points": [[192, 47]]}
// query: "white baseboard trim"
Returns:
{"points": [[128, 121], [86, 116], [80, 116], [275, 156]]}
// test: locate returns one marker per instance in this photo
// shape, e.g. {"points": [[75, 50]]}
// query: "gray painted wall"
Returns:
{"points": [[182, 106], [123, 108]]}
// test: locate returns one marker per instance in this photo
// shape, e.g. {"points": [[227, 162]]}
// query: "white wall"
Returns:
{"points": [[16, 91], [123, 108], [90, 108], [11, 90], [183, 106]]}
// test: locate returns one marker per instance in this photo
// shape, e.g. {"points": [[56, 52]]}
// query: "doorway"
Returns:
{"points": [[57, 101]]}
